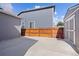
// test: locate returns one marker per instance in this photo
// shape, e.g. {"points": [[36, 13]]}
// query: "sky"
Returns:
{"points": [[60, 8]]}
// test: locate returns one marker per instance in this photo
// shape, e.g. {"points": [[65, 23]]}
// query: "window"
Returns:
{"points": [[32, 24]]}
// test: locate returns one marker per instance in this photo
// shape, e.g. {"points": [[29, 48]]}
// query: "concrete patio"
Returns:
{"points": [[50, 47], [35, 46]]}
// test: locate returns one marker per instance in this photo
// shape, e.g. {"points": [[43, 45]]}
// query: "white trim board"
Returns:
{"points": [[70, 18]]}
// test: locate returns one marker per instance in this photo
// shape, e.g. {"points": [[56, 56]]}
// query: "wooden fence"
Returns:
{"points": [[46, 32]]}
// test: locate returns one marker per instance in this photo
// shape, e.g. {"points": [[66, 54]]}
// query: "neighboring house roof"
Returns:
{"points": [[36, 9], [71, 10], [6, 13]]}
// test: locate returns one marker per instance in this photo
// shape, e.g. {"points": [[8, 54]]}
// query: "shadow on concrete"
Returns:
{"points": [[16, 47]]}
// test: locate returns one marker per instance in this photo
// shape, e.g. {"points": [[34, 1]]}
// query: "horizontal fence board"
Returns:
{"points": [[34, 35], [44, 32]]}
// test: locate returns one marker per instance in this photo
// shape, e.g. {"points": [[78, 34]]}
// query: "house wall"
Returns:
{"points": [[9, 27], [69, 29], [75, 16], [42, 18], [77, 29]]}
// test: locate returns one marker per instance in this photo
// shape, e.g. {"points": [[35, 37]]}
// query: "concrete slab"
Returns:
{"points": [[51, 47], [16, 47], [35, 46]]}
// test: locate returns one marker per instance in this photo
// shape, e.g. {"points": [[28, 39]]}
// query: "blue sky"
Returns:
{"points": [[60, 8]]}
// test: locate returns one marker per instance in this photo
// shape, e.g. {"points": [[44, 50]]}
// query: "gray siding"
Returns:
{"points": [[77, 29], [43, 18], [69, 29], [9, 27], [70, 39]]}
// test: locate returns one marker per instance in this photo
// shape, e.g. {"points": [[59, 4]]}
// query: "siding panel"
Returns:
{"points": [[43, 18]]}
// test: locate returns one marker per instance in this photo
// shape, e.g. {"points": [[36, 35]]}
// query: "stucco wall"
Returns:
{"points": [[9, 27], [42, 18]]}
